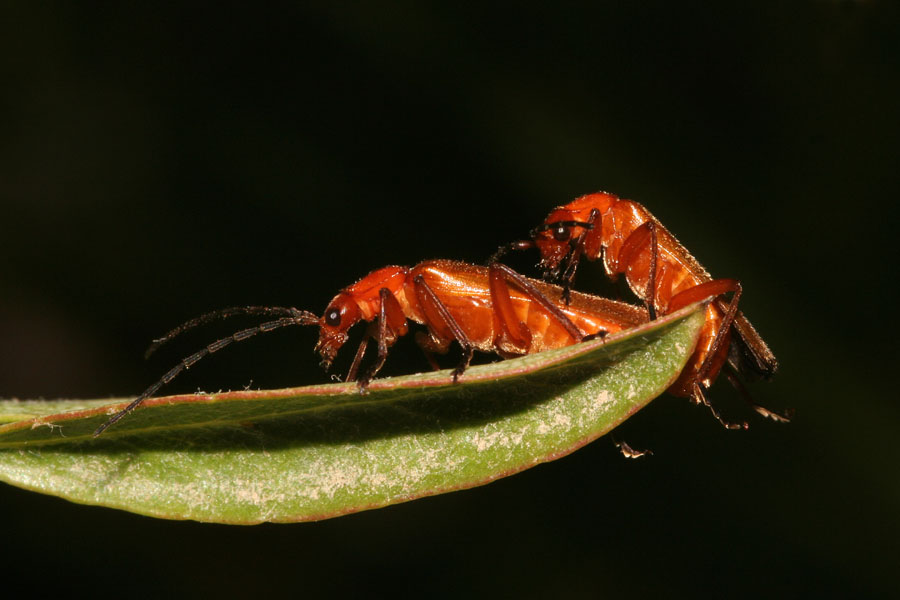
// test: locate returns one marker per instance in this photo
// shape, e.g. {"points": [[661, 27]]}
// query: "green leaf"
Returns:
{"points": [[322, 451]]}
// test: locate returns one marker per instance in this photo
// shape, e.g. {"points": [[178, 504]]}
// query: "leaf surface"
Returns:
{"points": [[321, 451]]}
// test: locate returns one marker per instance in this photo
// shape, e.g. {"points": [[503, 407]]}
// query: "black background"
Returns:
{"points": [[157, 162]]}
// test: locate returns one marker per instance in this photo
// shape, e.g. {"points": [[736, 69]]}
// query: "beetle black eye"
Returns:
{"points": [[333, 318], [561, 233]]}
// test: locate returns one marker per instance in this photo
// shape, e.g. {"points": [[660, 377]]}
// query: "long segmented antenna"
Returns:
{"points": [[223, 313], [298, 317]]}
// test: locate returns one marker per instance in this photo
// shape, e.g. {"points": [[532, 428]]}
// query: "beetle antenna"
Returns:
{"points": [[298, 317], [224, 313]]}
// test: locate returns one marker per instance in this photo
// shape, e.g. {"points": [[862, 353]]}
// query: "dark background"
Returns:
{"points": [[159, 162]]}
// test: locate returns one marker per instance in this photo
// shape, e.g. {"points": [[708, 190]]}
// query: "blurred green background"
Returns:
{"points": [[157, 162]]}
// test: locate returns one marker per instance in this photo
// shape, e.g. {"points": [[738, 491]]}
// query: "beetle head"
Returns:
{"points": [[342, 314]]}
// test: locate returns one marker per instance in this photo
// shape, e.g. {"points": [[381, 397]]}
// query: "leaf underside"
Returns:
{"points": [[316, 452]]}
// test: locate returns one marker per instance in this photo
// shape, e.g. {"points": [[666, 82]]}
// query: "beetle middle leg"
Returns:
{"points": [[443, 327], [511, 327]]}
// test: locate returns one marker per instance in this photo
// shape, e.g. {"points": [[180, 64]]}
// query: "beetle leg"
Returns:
{"points": [[575, 253], [428, 299], [510, 325], [651, 280], [627, 451], [357, 359], [713, 288], [634, 245], [502, 250], [510, 330], [784, 417], [429, 347], [698, 397], [391, 325]]}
